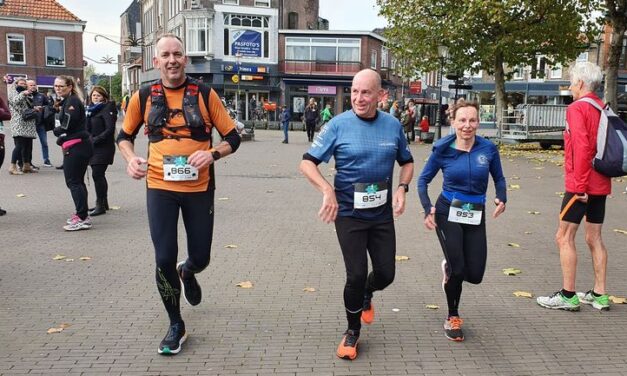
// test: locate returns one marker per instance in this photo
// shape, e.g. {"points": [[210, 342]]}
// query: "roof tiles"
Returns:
{"points": [[38, 9]]}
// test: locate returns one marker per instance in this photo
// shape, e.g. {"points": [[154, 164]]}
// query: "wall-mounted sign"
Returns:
{"points": [[246, 43], [246, 77], [244, 69], [415, 87], [235, 78], [328, 90]]}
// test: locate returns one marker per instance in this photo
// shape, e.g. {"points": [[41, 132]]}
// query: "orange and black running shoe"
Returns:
{"points": [[453, 328], [348, 346], [367, 313]]}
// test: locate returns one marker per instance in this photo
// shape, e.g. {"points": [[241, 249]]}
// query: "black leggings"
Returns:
{"points": [[100, 181], [163, 216], [465, 249], [23, 152], [311, 129], [358, 238], [75, 162]]}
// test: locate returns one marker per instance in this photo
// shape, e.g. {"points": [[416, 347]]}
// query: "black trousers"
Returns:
{"points": [[23, 152], [163, 217], [100, 181], [311, 129], [75, 162]]}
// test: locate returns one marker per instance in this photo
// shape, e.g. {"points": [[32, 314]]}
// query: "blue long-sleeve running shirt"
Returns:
{"points": [[463, 172], [365, 151]]}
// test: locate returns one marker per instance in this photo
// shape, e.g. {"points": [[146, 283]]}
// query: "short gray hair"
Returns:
{"points": [[169, 35], [588, 73]]}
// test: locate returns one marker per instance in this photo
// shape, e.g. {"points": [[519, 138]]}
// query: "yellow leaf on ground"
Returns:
{"points": [[534, 212], [115, 207], [69, 259], [401, 258], [84, 258], [54, 330], [245, 285], [230, 246], [624, 232], [528, 232], [515, 177], [65, 325], [223, 198], [20, 195], [538, 168], [432, 306], [511, 271], [58, 257], [618, 300], [514, 245], [561, 194], [523, 294], [309, 289], [514, 186]]}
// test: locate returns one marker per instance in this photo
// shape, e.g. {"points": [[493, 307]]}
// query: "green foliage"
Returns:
{"points": [[116, 86]]}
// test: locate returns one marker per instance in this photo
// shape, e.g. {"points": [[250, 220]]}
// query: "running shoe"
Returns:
{"points": [[453, 328], [444, 274], [77, 224], [173, 341], [599, 302], [47, 163], [348, 346], [559, 301], [191, 288], [367, 313]]}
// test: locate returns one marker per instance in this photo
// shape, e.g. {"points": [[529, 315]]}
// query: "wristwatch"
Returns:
{"points": [[216, 155], [405, 186]]}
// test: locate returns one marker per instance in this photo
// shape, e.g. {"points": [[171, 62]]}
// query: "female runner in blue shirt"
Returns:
{"points": [[466, 161]]}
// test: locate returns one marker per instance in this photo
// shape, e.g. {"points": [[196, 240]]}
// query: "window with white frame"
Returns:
{"points": [[322, 49], [55, 52], [247, 35], [230, 2], [159, 14], [149, 53], [373, 59], [556, 71], [175, 7], [16, 49], [519, 72], [583, 57], [262, 3], [384, 57], [197, 36], [148, 19]]}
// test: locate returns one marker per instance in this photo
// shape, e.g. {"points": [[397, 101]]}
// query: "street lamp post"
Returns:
{"points": [[238, 57], [442, 55]]}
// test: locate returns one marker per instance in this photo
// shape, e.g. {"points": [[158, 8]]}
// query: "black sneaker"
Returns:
{"points": [[191, 288], [172, 342]]}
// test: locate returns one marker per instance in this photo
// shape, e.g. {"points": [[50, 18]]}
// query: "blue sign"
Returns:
{"points": [[246, 42]]}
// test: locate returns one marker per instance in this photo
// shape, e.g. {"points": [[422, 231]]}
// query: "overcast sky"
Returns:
{"points": [[104, 18]]}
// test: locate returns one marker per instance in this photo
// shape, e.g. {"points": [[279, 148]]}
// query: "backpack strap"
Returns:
{"points": [[144, 94], [592, 102]]}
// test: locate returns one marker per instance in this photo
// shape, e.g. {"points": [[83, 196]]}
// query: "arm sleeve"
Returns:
{"points": [[431, 168], [496, 170], [219, 117], [581, 147], [133, 120]]}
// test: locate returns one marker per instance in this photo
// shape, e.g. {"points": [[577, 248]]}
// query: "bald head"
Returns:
{"points": [[366, 92]]}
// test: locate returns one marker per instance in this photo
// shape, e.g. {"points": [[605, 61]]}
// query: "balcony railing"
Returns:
{"points": [[328, 68]]}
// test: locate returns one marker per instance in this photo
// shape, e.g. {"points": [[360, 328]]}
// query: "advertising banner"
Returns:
{"points": [[246, 42], [329, 90]]}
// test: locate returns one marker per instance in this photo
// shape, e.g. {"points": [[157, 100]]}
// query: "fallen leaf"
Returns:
{"points": [[515, 177], [115, 207], [223, 198], [54, 330], [618, 180], [69, 259], [432, 306], [309, 289], [534, 212], [561, 194], [65, 325], [58, 257], [84, 258], [511, 271], [395, 310], [523, 294], [624, 232], [514, 186], [20, 195], [245, 285], [538, 168], [618, 300], [230, 246], [528, 232], [401, 258], [514, 245]]}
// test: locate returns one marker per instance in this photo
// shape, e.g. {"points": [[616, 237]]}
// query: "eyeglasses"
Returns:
{"points": [[60, 86]]}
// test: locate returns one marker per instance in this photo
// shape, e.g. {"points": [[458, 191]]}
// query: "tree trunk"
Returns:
{"points": [[499, 89], [611, 73]]}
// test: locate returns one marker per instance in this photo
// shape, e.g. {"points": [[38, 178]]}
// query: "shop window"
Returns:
{"points": [[15, 49]]}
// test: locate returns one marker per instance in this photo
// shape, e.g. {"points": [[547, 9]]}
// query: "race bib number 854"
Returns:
{"points": [[370, 195]]}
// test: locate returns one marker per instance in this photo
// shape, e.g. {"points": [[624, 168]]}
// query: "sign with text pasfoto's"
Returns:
{"points": [[246, 43], [315, 89], [415, 87]]}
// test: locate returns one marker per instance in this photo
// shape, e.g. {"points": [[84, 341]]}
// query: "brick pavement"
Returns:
{"points": [[276, 328]]}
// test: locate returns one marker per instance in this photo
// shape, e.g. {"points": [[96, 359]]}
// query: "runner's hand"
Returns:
{"points": [[329, 208], [583, 198], [398, 202], [137, 167], [500, 208], [200, 159], [430, 220]]}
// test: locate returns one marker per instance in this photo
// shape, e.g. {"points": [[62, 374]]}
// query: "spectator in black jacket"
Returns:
{"points": [[311, 118], [44, 121], [101, 118]]}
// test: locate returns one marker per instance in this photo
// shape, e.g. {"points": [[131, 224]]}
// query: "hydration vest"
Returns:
{"points": [[160, 112]]}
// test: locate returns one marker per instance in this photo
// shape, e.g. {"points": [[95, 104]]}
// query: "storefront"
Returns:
{"points": [[298, 92]]}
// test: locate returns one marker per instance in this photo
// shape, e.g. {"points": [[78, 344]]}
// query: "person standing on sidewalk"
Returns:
{"points": [[77, 148], [285, 123], [179, 114], [311, 117], [586, 192], [458, 217], [5, 115], [363, 200], [22, 124], [44, 121], [101, 118]]}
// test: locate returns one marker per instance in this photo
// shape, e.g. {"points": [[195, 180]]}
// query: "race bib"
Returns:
{"points": [[465, 212], [370, 195], [176, 168]]}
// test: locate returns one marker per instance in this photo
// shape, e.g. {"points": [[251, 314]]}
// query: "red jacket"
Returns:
{"points": [[580, 147]]}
